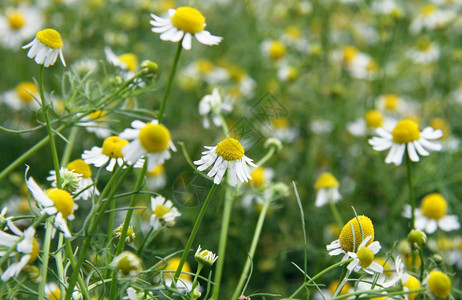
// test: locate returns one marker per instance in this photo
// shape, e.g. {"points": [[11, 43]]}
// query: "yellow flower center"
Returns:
{"points": [[374, 118], [161, 210], [439, 123], [349, 53], [230, 149], [62, 200], [80, 167], [172, 265], [16, 20], [332, 287], [372, 66], [35, 251], [188, 19], [130, 60], [405, 131], [412, 283], [276, 50], [391, 102], [293, 32], [445, 244], [346, 235], [129, 263], [424, 45], [365, 256], [428, 10], [158, 170], [112, 146], [98, 115], [280, 123], [326, 181], [293, 74], [154, 137], [258, 177], [236, 73], [434, 206], [204, 66], [25, 91], [50, 38], [439, 284], [54, 294]]}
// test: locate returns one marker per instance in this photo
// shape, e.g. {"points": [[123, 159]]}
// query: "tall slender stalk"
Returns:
{"points": [[410, 183], [45, 258]]}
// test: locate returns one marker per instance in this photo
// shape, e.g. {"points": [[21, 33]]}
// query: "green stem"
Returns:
{"points": [[54, 153], [336, 213], [222, 243], [267, 156], [192, 236], [169, 82], [45, 257], [194, 284], [320, 274], [70, 255], [59, 262], [253, 247], [410, 183], [69, 146]]}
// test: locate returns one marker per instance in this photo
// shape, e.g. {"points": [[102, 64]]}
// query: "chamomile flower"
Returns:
{"points": [[19, 24], [211, 107], [163, 212], [184, 23], [228, 153], [109, 154], [45, 47], [156, 179], [432, 214], [128, 62], [406, 136], [96, 122], [55, 202], [127, 263], [23, 96], [363, 259], [205, 257], [27, 247], [150, 140], [400, 274], [431, 17], [387, 7], [412, 284], [52, 291], [439, 284], [184, 284], [274, 49], [327, 187], [424, 52]]}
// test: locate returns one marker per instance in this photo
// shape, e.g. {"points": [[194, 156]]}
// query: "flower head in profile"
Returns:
{"points": [[169, 268], [327, 187], [55, 202], [184, 23], [364, 257], [411, 284], [439, 284], [150, 140], [406, 136], [163, 212], [45, 47], [432, 214], [27, 247], [96, 122], [211, 107], [205, 257], [128, 263], [228, 153]]}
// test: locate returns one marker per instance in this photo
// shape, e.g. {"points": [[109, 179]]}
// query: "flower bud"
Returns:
{"points": [[205, 257], [149, 67], [416, 239], [130, 233]]}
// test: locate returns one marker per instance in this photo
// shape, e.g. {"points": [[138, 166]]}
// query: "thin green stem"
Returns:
{"points": [[336, 213], [198, 271], [169, 82], [59, 262], [410, 183], [70, 255], [45, 257], [69, 146], [267, 156], [192, 236]]}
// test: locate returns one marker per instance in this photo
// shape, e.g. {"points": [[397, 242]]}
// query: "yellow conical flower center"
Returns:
{"points": [[412, 283], [62, 200], [434, 206], [439, 284], [35, 251], [25, 91], [405, 131], [280, 123], [130, 60], [391, 102], [161, 210], [154, 137], [129, 263], [112, 146], [80, 167], [188, 19], [439, 123], [349, 53], [346, 235], [332, 287], [98, 115], [230, 149], [258, 177], [204, 66], [54, 294], [158, 170], [293, 32], [326, 181], [16, 20], [293, 74], [428, 10], [365, 256], [172, 265], [374, 118], [276, 50], [50, 38]]}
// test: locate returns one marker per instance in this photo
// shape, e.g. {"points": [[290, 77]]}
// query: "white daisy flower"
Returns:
{"points": [[406, 136], [23, 96], [97, 123], [19, 24], [45, 47], [211, 106], [400, 274], [55, 202], [28, 246], [364, 257], [274, 49], [431, 17], [425, 52], [156, 179], [205, 256], [52, 291], [163, 212], [432, 215], [387, 7], [150, 140], [184, 22], [327, 187], [227, 151]]}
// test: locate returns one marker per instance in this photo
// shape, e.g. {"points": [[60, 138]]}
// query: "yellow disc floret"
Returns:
{"points": [[188, 19], [80, 167], [112, 146], [25, 91], [280, 123], [349, 53], [35, 251], [428, 10], [62, 200], [276, 50], [55, 294], [365, 256], [405, 131], [332, 287], [439, 284], [98, 115], [130, 60], [346, 235], [391, 102], [172, 265], [230, 149], [434, 206], [16, 20], [158, 170], [154, 137], [50, 38], [374, 118], [412, 283], [161, 211], [326, 181], [258, 177], [204, 66]]}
